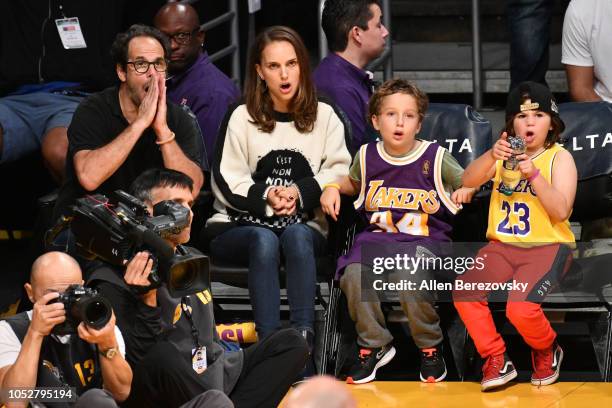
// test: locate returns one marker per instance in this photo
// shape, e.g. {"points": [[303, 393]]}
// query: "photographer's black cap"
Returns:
{"points": [[540, 98]]}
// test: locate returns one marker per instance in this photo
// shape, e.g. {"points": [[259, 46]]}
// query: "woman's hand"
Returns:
{"points": [[283, 201]]}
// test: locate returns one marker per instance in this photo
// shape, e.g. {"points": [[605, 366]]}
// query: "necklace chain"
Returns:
{"points": [[537, 152]]}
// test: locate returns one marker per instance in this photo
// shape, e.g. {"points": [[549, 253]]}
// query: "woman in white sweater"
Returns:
{"points": [[274, 155]]}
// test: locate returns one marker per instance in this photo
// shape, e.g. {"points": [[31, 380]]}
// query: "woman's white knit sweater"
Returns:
{"points": [[248, 162]]}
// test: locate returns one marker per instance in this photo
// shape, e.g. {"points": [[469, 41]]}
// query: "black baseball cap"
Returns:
{"points": [[541, 99]]}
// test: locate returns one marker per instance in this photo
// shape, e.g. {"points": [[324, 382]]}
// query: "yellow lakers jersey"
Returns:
{"points": [[521, 218]]}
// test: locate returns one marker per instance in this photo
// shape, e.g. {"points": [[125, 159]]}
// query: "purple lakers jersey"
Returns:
{"points": [[402, 198]]}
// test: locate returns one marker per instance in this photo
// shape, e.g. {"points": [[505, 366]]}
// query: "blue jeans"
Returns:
{"points": [[26, 120], [261, 249], [529, 26]]}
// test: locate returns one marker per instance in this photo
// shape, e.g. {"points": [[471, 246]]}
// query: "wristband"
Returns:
{"points": [[334, 185], [534, 175], [168, 140]]}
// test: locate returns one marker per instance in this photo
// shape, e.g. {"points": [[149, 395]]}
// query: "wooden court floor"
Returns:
{"points": [[391, 394]]}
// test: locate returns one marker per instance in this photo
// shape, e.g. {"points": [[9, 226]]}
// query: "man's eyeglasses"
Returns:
{"points": [[183, 38], [142, 66]]}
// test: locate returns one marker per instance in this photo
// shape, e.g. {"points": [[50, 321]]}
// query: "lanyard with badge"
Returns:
{"points": [[70, 32], [198, 354]]}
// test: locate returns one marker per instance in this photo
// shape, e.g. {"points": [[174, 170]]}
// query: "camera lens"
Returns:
{"points": [[187, 274], [182, 275], [96, 312]]}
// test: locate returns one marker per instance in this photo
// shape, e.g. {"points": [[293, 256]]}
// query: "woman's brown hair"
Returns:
{"points": [[553, 135], [259, 103]]}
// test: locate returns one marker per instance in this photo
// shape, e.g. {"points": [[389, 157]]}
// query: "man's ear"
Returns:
{"points": [[150, 206], [355, 35], [200, 36], [29, 292], [121, 72]]}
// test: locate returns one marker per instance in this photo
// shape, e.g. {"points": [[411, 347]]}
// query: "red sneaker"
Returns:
{"points": [[546, 365], [497, 371]]}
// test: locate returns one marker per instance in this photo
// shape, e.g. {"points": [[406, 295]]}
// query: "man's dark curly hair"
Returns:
{"points": [[119, 49]]}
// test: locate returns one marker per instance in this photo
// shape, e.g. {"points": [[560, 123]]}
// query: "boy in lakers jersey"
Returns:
{"points": [[403, 185], [529, 233]]}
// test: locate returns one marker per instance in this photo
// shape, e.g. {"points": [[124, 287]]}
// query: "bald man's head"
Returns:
{"points": [[180, 22], [52, 272], [321, 391]]}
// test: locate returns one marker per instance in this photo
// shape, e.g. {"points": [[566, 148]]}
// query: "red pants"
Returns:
{"points": [[539, 267]]}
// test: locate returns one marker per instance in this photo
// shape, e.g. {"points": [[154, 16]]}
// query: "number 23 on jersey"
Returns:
{"points": [[516, 220]]}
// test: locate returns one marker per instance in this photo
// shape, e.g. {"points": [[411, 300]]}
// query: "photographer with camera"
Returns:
{"points": [[176, 363], [50, 347], [130, 278]]}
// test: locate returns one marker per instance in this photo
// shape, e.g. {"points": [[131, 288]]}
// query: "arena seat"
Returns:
{"points": [[21, 182], [588, 137], [459, 128]]}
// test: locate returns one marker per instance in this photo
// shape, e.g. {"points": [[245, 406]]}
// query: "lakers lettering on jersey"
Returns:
{"points": [[402, 198], [521, 218]]}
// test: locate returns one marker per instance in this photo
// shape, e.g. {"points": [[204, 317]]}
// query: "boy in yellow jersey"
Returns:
{"points": [[529, 233]]}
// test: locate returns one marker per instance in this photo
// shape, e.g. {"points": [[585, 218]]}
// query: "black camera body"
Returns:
{"points": [[116, 231], [82, 305]]}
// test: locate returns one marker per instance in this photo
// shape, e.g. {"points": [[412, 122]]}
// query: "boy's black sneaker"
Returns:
{"points": [[370, 360], [433, 368]]}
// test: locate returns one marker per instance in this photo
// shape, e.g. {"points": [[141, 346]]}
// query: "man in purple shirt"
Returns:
{"points": [[355, 36], [193, 79]]}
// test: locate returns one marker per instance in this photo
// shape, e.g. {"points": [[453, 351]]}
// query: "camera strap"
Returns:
{"points": [[186, 307]]}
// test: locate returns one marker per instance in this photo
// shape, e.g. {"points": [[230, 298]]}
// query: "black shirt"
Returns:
{"points": [[139, 323], [97, 121], [143, 327]]}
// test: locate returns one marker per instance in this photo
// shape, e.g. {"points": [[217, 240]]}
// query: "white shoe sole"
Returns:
{"points": [[384, 361], [497, 382], [442, 377], [553, 378]]}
